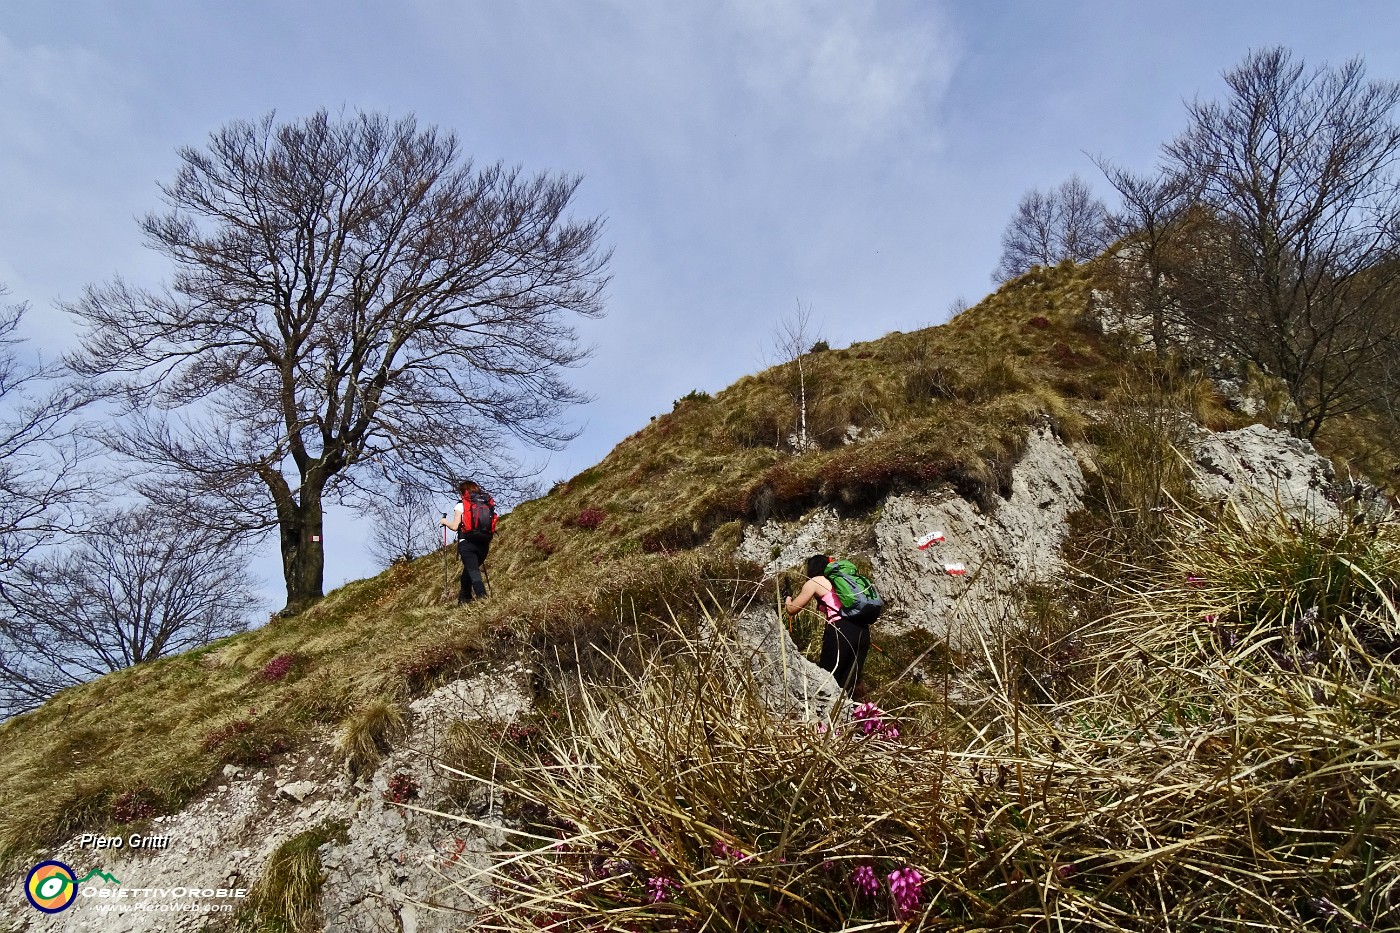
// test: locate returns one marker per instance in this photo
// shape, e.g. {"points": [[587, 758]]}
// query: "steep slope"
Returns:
{"points": [[310, 731]]}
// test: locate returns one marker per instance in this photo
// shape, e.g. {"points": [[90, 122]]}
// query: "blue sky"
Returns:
{"points": [[861, 157]]}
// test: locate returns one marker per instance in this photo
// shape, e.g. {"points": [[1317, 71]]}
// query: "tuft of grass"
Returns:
{"points": [[252, 741], [705, 808], [287, 896], [1310, 594], [368, 735]]}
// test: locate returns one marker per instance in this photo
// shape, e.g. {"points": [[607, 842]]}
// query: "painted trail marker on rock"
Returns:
{"points": [[933, 537], [955, 570]]}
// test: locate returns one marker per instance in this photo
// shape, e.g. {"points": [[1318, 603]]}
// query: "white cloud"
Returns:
{"points": [[857, 76], [49, 91], [66, 130]]}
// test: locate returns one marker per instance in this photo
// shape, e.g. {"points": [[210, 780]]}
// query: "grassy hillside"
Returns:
{"points": [[650, 532], [948, 403]]}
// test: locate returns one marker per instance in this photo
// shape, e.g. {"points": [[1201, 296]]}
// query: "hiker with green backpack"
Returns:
{"points": [[849, 603]]}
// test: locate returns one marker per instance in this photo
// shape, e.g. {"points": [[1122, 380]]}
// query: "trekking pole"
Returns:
{"points": [[444, 530], [784, 593]]}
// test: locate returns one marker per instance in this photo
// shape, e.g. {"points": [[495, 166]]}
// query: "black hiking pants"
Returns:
{"points": [[472, 547], [844, 647]]}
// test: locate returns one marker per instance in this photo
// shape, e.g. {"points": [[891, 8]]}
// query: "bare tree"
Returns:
{"points": [[137, 586], [38, 455], [1068, 222], [404, 526], [1153, 228], [793, 337], [1294, 272], [351, 299]]}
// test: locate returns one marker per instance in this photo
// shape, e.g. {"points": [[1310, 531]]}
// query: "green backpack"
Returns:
{"points": [[859, 601]]}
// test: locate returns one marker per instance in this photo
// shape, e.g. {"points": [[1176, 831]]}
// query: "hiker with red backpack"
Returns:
{"points": [[475, 523], [849, 603]]}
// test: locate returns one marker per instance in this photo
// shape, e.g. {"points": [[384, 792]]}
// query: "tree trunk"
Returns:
{"points": [[802, 389], [303, 553]]}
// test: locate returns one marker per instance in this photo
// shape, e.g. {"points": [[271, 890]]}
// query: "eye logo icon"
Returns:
{"points": [[51, 887]]}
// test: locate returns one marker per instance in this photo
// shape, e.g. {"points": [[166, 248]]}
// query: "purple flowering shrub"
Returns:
{"points": [[278, 667], [869, 719], [865, 881], [402, 788], [589, 519], [906, 891]]}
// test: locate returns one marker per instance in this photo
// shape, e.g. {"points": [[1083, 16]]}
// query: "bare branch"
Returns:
{"points": [[39, 454]]}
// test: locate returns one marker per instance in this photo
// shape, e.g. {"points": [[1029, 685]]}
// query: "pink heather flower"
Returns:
{"points": [[722, 849], [906, 890], [659, 888], [868, 716], [612, 867], [1195, 581], [865, 880], [874, 721], [277, 668]]}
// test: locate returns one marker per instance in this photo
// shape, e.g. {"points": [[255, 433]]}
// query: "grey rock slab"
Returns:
{"points": [[1000, 553], [298, 790], [1261, 470], [790, 684]]}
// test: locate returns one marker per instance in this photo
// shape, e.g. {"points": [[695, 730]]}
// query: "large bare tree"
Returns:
{"points": [[1067, 222], [1294, 269], [134, 587], [352, 300]]}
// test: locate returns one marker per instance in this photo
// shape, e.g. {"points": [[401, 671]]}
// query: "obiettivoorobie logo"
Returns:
{"points": [[51, 887]]}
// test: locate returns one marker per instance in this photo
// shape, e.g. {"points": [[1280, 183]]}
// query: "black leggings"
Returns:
{"points": [[844, 647], [472, 548]]}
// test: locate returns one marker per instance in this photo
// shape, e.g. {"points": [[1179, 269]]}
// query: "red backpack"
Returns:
{"points": [[478, 513]]}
